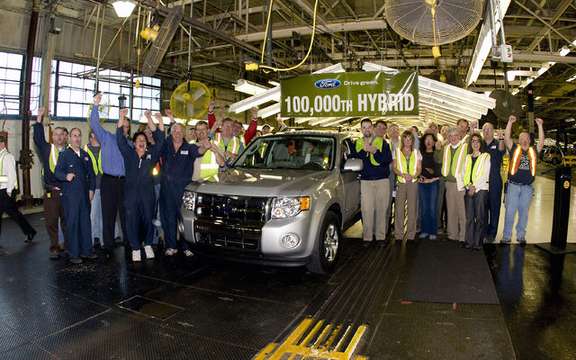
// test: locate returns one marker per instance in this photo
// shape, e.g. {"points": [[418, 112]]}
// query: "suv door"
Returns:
{"points": [[351, 183]]}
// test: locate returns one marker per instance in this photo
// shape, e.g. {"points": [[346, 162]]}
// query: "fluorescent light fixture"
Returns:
{"points": [[274, 83], [123, 8], [484, 45], [269, 111], [538, 98], [569, 120], [572, 78], [510, 75], [249, 87], [564, 51]]}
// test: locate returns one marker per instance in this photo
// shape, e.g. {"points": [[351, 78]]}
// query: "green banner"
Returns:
{"points": [[351, 94]]}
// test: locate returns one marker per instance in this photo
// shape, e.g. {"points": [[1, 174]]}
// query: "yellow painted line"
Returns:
{"points": [[353, 346], [312, 333], [323, 335], [339, 344], [332, 338]]}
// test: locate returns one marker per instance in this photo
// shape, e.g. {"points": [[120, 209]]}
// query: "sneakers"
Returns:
{"points": [[136, 257], [170, 252], [522, 241], [505, 241], [29, 237], [75, 260], [149, 252], [432, 237], [423, 236], [54, 255], [188, 253], [93, 256]]}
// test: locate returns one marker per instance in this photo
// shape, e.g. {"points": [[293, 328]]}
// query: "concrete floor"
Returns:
{"points": [[201, 309]]}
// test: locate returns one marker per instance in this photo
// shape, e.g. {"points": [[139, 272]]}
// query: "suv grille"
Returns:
{"points": [[231, 222]]}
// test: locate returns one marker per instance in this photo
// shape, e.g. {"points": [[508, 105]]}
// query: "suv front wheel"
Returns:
{"points": [[328, 245]]}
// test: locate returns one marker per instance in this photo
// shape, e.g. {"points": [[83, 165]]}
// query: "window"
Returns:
{"points": [[74, 91], [10, 77], [72, 87]]}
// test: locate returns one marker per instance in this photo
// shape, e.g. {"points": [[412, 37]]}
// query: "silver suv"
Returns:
{"points": [[286, 201]]}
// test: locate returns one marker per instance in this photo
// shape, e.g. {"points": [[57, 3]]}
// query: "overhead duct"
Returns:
{"points": [[160, 46]]}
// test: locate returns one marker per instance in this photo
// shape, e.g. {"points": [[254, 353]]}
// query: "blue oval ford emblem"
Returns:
{"points": [[327, 84]]}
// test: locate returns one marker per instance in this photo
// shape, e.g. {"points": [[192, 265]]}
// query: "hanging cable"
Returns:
{"points": [[270, 7], [255, 66]]}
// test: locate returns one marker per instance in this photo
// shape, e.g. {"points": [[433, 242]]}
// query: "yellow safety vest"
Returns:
{"points": [[234, 142], [96, 164], [377, 142], [53, 158], [515, 160], [449, 166], [477, 170], [405, 167], [208, 166]]}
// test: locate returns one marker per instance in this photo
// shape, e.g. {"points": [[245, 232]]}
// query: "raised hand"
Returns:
{"points": [[211, 106], [148, 114], [97, 99], [41, 112], [539, 121], [512, 119], [254, 112], [123, 113]]}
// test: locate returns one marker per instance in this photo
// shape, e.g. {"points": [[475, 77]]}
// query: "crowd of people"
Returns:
{"points": [[415, 183], [447, 179]]}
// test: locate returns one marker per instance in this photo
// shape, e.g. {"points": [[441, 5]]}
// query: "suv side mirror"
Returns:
{"points": [[355, 165]]}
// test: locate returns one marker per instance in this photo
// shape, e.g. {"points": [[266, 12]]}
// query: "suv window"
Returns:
{"points": [[289, 152]]}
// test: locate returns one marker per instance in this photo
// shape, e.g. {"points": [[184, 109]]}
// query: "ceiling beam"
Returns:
{"points": [[336, 27]]}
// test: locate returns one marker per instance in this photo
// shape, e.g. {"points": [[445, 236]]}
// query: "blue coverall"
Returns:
{"points": [[76, 200], [139, 196], [177, 169]]}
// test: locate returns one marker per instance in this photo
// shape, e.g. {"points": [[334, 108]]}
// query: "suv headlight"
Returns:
{"points": [[189, 200], [287, 207]]}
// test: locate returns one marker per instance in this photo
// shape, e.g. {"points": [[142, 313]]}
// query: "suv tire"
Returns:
{"points": [[328, 246]]}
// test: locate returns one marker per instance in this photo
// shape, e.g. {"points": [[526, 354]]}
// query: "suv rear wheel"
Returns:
{"points": [[328, 246]]}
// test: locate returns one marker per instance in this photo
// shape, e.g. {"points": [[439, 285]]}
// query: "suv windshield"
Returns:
{"points": [[289, 152]]}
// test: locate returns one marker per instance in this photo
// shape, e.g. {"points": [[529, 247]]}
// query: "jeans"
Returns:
{"points": [[494, 203], [476, 218], [518, 198], [96, 217], [428, 206]]}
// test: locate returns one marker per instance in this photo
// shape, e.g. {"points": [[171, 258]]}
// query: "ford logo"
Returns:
{"points": [[327, 84]]}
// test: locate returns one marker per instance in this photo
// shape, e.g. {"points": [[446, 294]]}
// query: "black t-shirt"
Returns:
{"points": [[430, 168], [474, 158], [523, 176]]}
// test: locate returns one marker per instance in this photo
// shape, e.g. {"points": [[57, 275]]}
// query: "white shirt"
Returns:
{"points": [[8, 170]]}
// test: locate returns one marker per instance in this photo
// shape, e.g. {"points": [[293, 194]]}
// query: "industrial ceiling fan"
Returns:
{"points": [[433, 22]]}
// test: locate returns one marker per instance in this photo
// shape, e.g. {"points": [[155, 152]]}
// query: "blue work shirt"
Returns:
{"points": [[81, 166], [43, 147], [139, 179], [112, 160], [370, 171], [178, 166], [496, 156]]}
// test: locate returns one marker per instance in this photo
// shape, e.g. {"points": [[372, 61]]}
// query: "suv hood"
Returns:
{"points": [[262, 182]]}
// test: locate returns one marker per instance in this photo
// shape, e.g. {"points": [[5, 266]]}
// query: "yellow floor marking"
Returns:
{"points": [[298, 344]]}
